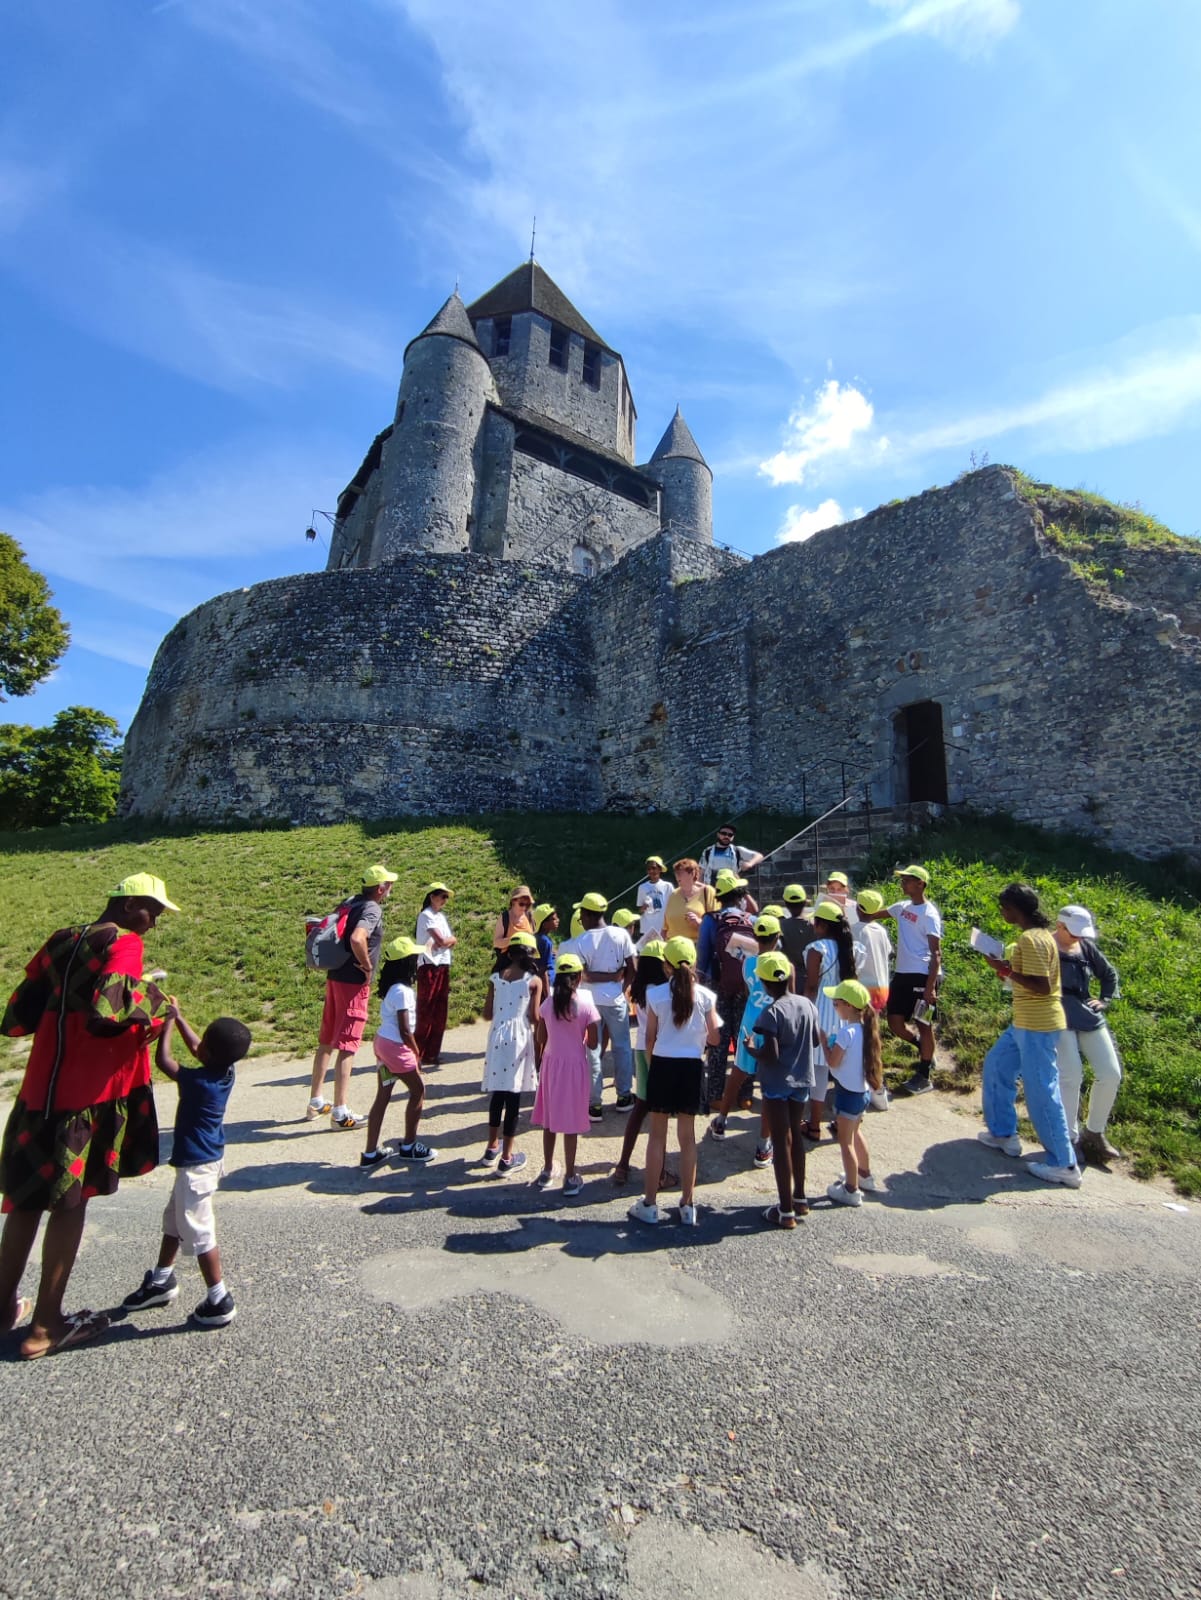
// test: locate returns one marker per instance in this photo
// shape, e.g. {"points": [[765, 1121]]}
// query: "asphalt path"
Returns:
{"points": [[443, 1383]]}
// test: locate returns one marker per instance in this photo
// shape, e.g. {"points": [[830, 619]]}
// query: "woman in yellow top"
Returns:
{"points": [[688, 901], [1027, 1048]]}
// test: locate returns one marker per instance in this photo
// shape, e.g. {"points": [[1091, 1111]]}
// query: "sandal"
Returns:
{"points": [[620, 1175], [78, 1328], [22, 1311], [776, 1218], [800, 1205], [669, 1180]]}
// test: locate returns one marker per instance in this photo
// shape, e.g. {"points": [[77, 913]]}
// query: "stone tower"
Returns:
{"points": [[687, 482], [417, 488]]}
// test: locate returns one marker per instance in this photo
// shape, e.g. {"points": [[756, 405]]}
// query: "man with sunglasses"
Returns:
{"points": [[725, 854]]}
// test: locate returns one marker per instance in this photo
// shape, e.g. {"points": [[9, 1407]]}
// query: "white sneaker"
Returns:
{"points": [[640, 1211], [1070, 1177], [1008, 1144], [842, 1196], [688, 1216], [880, 1100], [869, 1183]]}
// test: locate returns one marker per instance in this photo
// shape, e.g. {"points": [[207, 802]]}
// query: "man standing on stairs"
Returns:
{"points": [[913, 992], [727, 856]]}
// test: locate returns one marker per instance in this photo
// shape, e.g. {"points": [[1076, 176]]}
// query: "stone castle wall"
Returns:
{"points": [[432, 684], [685, 676]]}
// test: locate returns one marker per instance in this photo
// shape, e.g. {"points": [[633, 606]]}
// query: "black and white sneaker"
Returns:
{"points": [[596, 1113], [220, 1315], [624, 1102], [918, 1084], [414, 1152], [372, 1158], [152, 1294]]}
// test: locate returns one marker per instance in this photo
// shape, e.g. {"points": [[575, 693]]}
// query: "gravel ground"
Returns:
{"points": [[444, 1384]]}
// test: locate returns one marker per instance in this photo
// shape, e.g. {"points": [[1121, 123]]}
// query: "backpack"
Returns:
{"points": [[325, 946], [727, 963]]}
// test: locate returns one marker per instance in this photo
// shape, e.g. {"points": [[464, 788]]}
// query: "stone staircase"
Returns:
{"points": [[842, 841]]}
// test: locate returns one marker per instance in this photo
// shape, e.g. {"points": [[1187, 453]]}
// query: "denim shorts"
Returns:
{"points": [[782, 1091], [848, 1103]]}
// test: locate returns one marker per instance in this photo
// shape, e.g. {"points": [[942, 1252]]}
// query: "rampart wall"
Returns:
{"points": [[685, 676], [430, 684]]}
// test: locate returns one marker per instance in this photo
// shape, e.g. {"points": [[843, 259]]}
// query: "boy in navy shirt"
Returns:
{"points": [[196, 1156]]}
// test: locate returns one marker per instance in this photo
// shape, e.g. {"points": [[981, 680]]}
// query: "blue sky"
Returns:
{"points": [[857, 240]]}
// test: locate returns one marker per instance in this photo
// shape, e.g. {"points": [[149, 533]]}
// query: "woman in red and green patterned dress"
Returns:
{"points": [[85, 1116]]}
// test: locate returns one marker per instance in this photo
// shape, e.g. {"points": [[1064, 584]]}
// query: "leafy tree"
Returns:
{"points": [[32, 633], [68, 772]]}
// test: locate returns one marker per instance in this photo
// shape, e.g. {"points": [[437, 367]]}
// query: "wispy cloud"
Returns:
{"points": [[1144, 386], [179, 314], [966, 26], [1165, 195], [159, 545], [827, 426]]}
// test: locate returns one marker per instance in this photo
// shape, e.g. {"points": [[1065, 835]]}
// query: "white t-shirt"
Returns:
{"points": [[850, 1075], [604, 949], [651, 901], [873, 955], [398, 998], [915, 925], [430, 921], [689, 1040]]}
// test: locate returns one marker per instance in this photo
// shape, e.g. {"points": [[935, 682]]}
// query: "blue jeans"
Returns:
{"points": [[1023, 1053], [615, 1015]]}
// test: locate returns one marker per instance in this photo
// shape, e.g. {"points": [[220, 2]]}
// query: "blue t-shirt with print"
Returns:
{"points": [[200, 1119]]}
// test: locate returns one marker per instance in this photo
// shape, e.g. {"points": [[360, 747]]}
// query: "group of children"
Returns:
{"points": [[794, 1003]]}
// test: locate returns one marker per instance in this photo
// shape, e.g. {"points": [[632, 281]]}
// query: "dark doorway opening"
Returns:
{"points": [[921, 755]]}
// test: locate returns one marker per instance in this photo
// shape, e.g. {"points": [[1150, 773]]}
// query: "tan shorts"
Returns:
{"points": [[188, 1215]]}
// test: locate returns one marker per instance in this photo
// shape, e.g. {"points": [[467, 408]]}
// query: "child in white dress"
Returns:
{"points": [[512, 1011]]}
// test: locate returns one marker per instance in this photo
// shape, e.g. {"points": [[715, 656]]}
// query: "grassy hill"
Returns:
{"points": [[237, 946]]}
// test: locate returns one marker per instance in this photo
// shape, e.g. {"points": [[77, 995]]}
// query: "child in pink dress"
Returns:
{"points": [[567, 1027]]}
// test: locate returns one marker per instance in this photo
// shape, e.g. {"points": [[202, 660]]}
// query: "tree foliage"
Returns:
{"points": [[32, 633], [68, 772]]}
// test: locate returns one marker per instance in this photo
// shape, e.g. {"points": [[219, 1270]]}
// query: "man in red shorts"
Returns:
{"points": [[347, 996]]}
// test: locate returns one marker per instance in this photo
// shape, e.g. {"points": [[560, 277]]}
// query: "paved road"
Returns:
{"points": [[445, 1384]]}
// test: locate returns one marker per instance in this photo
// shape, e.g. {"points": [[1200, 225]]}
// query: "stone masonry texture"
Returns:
{"points": [[684, 676]]}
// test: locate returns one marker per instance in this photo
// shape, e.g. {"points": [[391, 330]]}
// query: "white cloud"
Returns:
{"points": [[801, 523], [967, 26], [828, 427]]}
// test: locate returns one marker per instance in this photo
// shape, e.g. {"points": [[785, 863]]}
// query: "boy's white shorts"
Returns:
{"points": [[188, 1215]]}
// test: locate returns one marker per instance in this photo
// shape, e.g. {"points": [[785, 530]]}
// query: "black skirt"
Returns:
{"points": [[675, 1085]]}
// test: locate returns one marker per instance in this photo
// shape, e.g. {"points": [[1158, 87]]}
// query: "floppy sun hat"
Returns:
{"points": [[542, 912], [657, 861], [144, 886]]}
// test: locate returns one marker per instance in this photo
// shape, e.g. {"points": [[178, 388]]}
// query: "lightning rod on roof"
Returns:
{"points": [[533, 236]]}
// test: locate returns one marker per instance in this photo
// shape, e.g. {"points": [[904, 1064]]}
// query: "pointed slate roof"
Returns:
{"points": [[453, 320], [529, 288], [678, 441]]}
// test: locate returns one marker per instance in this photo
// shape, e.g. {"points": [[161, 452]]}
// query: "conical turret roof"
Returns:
{"points": [[529, 288], [678, 441], [452, 320]]}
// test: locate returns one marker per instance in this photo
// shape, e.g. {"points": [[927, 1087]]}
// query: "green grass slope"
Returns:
{"points": [[237, 946]]}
